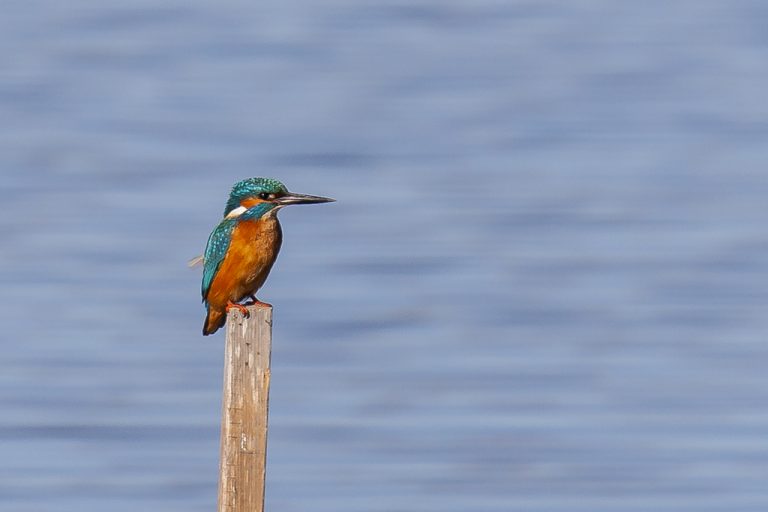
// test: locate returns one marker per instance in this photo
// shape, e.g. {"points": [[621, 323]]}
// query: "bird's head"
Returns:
{"points": [[250, 192]]}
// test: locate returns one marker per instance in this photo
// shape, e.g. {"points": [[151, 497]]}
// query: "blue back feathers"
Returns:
{"points": [[218, 243]]}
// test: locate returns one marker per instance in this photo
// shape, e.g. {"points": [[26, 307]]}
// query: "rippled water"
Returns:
{"points": [[542, 287]]}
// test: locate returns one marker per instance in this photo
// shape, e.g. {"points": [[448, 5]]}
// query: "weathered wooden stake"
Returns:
{"points": [[244, 412]]}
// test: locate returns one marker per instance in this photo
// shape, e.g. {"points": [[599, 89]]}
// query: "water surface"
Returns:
{"points": [[542, 287]]}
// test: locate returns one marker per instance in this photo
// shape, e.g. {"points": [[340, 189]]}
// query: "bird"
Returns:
{"points": [[243, 247]]}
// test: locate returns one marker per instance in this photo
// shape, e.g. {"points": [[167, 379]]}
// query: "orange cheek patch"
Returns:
{"points": [[251, 202]]}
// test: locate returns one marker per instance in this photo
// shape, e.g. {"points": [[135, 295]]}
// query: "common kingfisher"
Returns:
{"points": [[243, 247]]}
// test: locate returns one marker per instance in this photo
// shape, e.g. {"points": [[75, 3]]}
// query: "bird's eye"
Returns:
{"points": [[264, 195]]}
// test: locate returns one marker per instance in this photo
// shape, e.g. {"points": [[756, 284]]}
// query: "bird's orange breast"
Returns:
{"points": [[250, 256]]}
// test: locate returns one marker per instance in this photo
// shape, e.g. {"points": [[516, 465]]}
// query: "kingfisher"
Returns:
{"points": [[243, 247]]}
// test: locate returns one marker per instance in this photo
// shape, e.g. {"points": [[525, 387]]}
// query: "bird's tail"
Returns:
{"points": [[213, 320]]}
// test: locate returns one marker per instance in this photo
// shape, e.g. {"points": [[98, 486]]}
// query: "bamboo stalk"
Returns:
{"points": [[245, 407]]}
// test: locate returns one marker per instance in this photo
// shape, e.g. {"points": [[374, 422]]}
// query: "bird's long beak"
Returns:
{"points": [[292, 198]]}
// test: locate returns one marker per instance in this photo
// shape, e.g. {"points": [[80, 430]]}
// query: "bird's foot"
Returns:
{"points": [[256, 302], [239, 307]]}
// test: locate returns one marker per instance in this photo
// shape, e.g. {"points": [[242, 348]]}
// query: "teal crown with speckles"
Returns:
{"points": [[252, 187]]}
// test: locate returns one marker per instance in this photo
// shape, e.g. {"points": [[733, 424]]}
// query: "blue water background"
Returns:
{"points": [[542, 288]]}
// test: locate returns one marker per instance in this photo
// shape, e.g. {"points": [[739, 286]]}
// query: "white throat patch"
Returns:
{"points": [[271, 213]]}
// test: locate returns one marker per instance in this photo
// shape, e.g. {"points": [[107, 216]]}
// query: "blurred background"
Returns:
{"points": [[542, 287]]}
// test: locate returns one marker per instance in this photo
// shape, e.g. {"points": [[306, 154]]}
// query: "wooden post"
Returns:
{"points": [[244, 410]]}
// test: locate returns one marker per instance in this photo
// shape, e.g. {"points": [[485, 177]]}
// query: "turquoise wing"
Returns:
{"points": [[218, 243]]}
